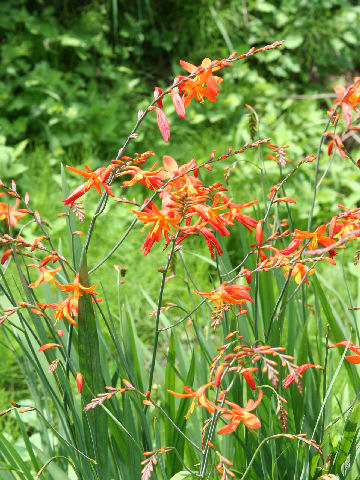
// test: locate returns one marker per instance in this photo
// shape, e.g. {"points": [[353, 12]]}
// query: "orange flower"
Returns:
{"points": [[77, 288], [10, 213], [298, 371], [299, 272], [66, 308], [350, 101], [351, 346], [195, 87], [46, 275], [239, 414], [161, 220], [234, 294], [198, 394], [316, 237], [47, 346], [37, 243], [96, 179], [79, 381]]}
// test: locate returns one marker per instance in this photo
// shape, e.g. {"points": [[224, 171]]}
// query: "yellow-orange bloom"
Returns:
{"points": [[299, 272], [195, 87], [316, 237], [46, 275], [161, 220], [198, 395], [67, 308], [234, 294], [239, 414], [76, 288]]}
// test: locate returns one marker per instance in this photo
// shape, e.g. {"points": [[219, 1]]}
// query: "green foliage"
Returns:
{"points": [[61, 86], [69, 85]]}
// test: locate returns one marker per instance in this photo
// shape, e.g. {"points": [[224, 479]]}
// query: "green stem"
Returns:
{"points": [[184, 318], [158, 311], [278, 302], [272, 437]]}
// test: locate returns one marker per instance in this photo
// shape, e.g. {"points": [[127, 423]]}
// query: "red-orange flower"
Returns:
{"points": [[351, 346], [6, 255], [225, 293], [79, 382], [10, 213], [212, 217], [151, 179], [235, 213], [337, 142], [198, 395], [77, 288], [239, 414], [298, 371], [96, 179], [161, 221], [195, 87], [209, 237]]}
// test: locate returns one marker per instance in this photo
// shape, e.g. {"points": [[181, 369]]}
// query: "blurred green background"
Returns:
{"points": [[74, 73]]}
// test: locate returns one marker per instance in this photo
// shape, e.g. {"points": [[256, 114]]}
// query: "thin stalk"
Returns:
{"points": [[184, 318], [176, 427], [272, 437], [256, 299], [158, 311], [322, 428], [317, 174], [329, 390], [44, 467], [278, 302], [215, 419], [31, 407]]}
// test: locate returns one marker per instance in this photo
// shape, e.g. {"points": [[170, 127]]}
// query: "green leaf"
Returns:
{"points": [[69, 41], [74, 240], [89, 361], [265, 7], [183, 475], [11, 455], [345, 445], [170, 399], [28, 445], [293, 40], [337, 330], [20, 147]]}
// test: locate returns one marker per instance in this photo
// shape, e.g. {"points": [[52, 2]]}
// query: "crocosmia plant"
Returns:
{"points": [[230, 385]]}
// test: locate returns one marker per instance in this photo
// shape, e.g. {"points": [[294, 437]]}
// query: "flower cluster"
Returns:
{"points": [[236, 358], [348, 100]]}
